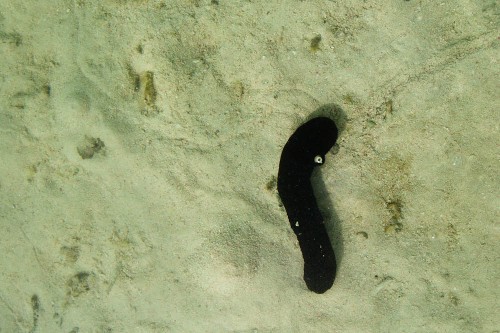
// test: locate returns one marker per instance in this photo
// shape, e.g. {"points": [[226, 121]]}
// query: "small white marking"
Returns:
{"points": [[318, 159], [297, 223]]}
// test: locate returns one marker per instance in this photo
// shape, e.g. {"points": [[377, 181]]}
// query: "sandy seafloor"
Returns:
{"points": [[140, 141]]}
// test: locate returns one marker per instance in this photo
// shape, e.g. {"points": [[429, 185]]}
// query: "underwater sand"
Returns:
{"points": [[140, 141]]}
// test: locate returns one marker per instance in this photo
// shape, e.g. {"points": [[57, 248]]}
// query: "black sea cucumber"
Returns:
{"points": [[305, 150]]}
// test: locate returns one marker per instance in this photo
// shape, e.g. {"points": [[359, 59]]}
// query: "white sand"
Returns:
{"points": [[171, 227]]}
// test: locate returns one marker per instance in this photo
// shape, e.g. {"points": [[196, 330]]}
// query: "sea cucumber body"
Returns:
{"points": [[299, 158]]}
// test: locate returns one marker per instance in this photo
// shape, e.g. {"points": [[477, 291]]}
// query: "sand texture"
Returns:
{"points": [[139, 148]]}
